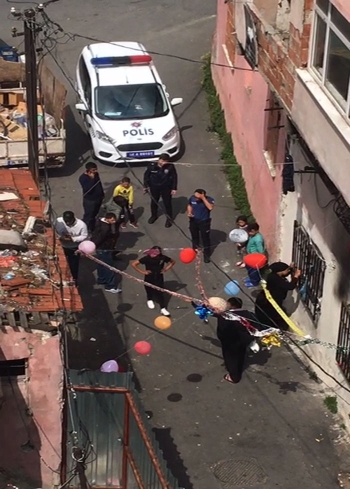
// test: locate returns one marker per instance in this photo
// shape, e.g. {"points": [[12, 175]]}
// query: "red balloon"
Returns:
{"points": [[142, 347], [187, 255], [255, 260]]}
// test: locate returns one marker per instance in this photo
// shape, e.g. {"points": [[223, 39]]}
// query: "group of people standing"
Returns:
{"points": [[160, 181]]}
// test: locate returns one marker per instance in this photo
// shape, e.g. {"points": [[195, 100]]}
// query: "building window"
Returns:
{"points": [[273, 126], [13, 368], [310, 261], [343, 357], [330, 55]]}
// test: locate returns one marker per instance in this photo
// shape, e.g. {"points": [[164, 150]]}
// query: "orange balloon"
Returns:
{"points": [[162, 322]]}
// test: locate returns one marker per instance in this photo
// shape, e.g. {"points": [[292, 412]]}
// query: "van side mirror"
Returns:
{"points": [[81, 108]]}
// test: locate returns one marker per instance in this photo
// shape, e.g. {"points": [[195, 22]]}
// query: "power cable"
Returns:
{"points": [[141, 183], [73, 35], [88, 447]]}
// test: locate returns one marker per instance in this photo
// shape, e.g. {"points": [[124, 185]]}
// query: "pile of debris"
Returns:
{"points": [[25, 258], [14, 121]]}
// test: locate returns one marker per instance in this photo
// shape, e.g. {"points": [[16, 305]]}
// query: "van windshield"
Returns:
{"points": [[131, 102]]}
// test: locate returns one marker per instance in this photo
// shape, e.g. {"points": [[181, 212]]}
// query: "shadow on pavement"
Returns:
{"points": [[85, 350], [172, 457], [78, 144], [161, 333]]}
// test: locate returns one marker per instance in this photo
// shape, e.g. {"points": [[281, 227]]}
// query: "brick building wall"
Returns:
{"points": [[244, 96], [279, 58]]}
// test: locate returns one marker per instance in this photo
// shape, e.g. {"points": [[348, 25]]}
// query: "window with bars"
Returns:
{"points": [[308, 259], [343, 352]]}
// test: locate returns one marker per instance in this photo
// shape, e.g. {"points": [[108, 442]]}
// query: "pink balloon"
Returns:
{"points": [[87, 247], [142, 347], [109, 366]]}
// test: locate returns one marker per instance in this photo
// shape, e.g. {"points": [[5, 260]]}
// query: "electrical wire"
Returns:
{"points": [[29, 442], [87, 446], [49, 23], [73, 35]]}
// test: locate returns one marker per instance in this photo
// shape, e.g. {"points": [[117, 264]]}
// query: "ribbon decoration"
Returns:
{"points": [[283, 315], [203, 312]]}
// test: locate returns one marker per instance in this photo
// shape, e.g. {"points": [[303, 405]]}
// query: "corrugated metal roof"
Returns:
{"points": [[98, 419], [97, 378]]}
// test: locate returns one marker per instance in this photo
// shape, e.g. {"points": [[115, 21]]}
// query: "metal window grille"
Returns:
{"points": [[309, 260], [343, 357]]}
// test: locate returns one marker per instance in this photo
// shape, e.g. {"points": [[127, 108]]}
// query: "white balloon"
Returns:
{"points": [[218, 303], [238, 236]]}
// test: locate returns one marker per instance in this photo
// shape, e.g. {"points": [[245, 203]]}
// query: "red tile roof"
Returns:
{"points": [[27, 292]]}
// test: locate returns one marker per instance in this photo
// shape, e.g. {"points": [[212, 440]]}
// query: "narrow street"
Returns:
{"points": [[274, 422]]}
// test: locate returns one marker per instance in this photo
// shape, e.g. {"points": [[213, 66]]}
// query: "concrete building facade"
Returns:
{"points": [[283, 78]]}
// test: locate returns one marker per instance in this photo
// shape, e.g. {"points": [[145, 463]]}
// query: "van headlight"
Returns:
{"points": [[170, 133], [103, 137]]}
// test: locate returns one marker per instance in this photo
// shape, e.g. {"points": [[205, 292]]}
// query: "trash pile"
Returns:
{"points": [[14, 123], [24, 263]]}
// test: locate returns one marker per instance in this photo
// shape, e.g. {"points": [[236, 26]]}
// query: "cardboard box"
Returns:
{"points": [[13, 131], [15, 98], [22, 107]]}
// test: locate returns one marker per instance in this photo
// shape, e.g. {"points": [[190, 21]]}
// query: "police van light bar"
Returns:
{"points": [[139, 59]]}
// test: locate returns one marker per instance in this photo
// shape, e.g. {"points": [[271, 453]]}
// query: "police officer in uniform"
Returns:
{"points": [[198, 210], [160, 180]]}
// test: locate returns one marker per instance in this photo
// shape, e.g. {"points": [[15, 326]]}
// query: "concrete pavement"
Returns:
{"points": [[273, 426]]}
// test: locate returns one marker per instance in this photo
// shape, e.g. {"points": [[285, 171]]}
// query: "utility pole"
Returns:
{"points": [[28, 17], [31, 91]]}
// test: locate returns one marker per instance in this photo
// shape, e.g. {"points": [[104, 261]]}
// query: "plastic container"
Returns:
{"points": [[9, 276]]}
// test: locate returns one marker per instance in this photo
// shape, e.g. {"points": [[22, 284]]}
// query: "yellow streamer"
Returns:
{"points": [[283, 315], [271, 340]]}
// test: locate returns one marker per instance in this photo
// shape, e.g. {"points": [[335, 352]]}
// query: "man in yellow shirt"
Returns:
{"points": [[123, 196]]}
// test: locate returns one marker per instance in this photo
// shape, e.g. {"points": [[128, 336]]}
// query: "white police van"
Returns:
{"points": [[124, 103]]}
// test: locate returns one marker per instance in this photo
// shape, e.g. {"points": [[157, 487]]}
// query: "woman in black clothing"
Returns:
{"points": [[278, 286], [234, 337], [156, 264]]}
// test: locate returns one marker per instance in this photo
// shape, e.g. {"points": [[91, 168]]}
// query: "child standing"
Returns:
{"points": [[123, 197], [242, 223], [255, 244], [156, 264]]}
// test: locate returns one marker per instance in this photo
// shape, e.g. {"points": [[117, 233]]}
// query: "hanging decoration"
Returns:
{"points": [[162, 322], [232, 288], [187, 255], [142, 347], [255, 260], [203, 313], [239, 236], [218, 304], [109, 367], [87, 247]]}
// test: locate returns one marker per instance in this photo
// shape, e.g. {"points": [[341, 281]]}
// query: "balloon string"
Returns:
{"points": [[198, 277], [142, 282], [186, 298]]}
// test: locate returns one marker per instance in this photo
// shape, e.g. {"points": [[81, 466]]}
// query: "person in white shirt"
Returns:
{"points": [[72, 232]]}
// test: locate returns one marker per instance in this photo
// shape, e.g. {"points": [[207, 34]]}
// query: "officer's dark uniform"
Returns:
{"points": [[160, 180]]}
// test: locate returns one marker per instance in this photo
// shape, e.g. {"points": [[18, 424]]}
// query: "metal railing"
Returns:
{"points": [[110, 419], [310, 261], [343, 354]]}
